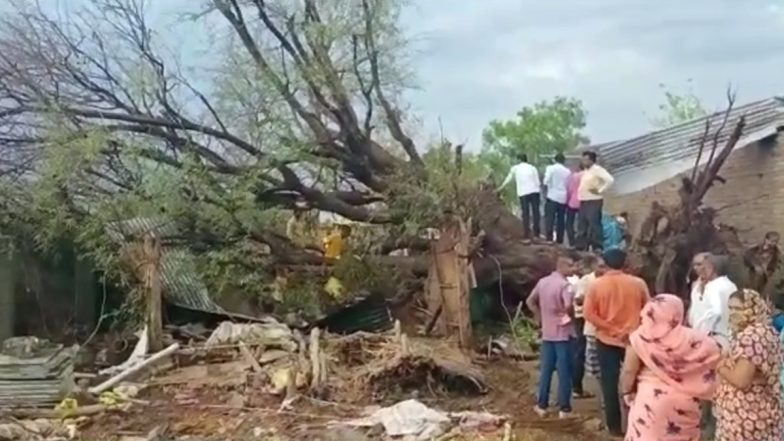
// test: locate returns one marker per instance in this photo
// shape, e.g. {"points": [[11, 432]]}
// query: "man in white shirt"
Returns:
{"points": [[586, 359], [709, 311], [556, 178], [710, 295], [594, 181], [528, 185], [589, 359]]}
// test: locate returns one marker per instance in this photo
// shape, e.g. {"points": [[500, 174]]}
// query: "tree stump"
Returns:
{"points": [[450, 280]]}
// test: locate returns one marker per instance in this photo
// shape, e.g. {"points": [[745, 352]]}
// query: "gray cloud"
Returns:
{"points": [[482, 59]]}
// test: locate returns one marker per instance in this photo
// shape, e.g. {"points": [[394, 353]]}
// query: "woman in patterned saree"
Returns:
{"points": [[668, 369], [748, 401]]}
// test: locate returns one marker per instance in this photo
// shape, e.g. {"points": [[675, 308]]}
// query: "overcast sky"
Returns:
{"points": [[477, 60], [484, 59]]}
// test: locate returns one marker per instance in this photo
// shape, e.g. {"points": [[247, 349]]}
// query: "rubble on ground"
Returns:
{"points": [[34, 372], [37, 430], [265, 381], [413, 419], [271, 334]]}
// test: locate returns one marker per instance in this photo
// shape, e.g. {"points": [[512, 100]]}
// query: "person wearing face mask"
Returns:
{"points": [[748, 401]]}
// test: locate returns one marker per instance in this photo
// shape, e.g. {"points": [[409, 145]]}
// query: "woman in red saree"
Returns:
{"points": [[669, 368]]}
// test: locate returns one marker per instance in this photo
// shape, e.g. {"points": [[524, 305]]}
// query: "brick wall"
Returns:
{"points": [[752, 200]]}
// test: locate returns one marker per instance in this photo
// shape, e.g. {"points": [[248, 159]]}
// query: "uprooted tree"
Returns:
{"points": [[290, 104], [672, 234]]}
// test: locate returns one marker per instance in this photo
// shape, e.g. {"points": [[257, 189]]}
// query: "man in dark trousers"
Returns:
{"points": [[556, 180], [613, 305], [528, 185], [594, 181]]}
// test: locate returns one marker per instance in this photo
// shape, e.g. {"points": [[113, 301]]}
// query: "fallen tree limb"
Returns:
{"points": [[111, 382], [254, 364], [88, 410]]}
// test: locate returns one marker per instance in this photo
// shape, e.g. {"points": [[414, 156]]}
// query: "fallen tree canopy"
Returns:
{"points": [[101, 124]]}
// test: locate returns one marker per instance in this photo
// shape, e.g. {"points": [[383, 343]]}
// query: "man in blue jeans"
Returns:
{"points": [[552, 304]]}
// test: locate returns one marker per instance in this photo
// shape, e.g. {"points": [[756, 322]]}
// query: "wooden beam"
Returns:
{"points": [[152, 291]]}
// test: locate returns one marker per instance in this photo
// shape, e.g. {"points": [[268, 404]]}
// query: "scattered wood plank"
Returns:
{"points": [[315, 358], [88, 410], [248, 356], [111, 382]]}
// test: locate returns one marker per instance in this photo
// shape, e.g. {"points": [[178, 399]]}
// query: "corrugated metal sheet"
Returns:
{"points": [[681, 142], [36, 381], [183, 287], [369, 313], [179, 277]]}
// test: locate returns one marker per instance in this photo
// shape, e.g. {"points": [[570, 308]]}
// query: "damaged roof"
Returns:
{"points": [[179, 277], [667, 152], [184, 288]]}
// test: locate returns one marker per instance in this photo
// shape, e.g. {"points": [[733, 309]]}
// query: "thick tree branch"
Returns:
{"points": [[393, 119]]}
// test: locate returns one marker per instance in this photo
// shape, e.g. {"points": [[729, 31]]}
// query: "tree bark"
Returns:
{"points": [[152, 291], [670, 236]]}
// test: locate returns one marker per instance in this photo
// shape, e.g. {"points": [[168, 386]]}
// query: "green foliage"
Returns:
{"points": [[678, 108], [165, 154], [360, 274], [525, 333], [539, 131], [422, 204]]}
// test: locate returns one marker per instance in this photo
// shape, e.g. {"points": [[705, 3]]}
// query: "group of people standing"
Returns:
{"points": [[666, 372], [571, 197]]}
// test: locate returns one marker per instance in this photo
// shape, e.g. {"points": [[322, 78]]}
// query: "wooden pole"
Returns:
{"points": [[451, 269], [152, 291], [111, 382]]}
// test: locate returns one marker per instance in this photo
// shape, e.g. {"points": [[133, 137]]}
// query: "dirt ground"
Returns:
{"points": [[230, 412]]}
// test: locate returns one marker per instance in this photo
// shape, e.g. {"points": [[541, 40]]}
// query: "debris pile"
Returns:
{"points": [[229, 380], [382, 367], [34, 372], [37, 430]]}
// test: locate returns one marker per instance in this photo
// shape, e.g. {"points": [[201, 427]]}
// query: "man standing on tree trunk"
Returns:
{"points": [[528, 186], [613, 305], [556, 179], [573, 204], [593, 183]]}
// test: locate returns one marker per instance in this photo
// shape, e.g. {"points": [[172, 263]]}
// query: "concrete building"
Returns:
{"points": [[650, 167]]}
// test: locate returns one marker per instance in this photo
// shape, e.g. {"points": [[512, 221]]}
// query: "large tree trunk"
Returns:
{"points": [[506, 256], [661, 254]]}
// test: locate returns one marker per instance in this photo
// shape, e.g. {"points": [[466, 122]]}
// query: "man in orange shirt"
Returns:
{"points": [[613, 305]]}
